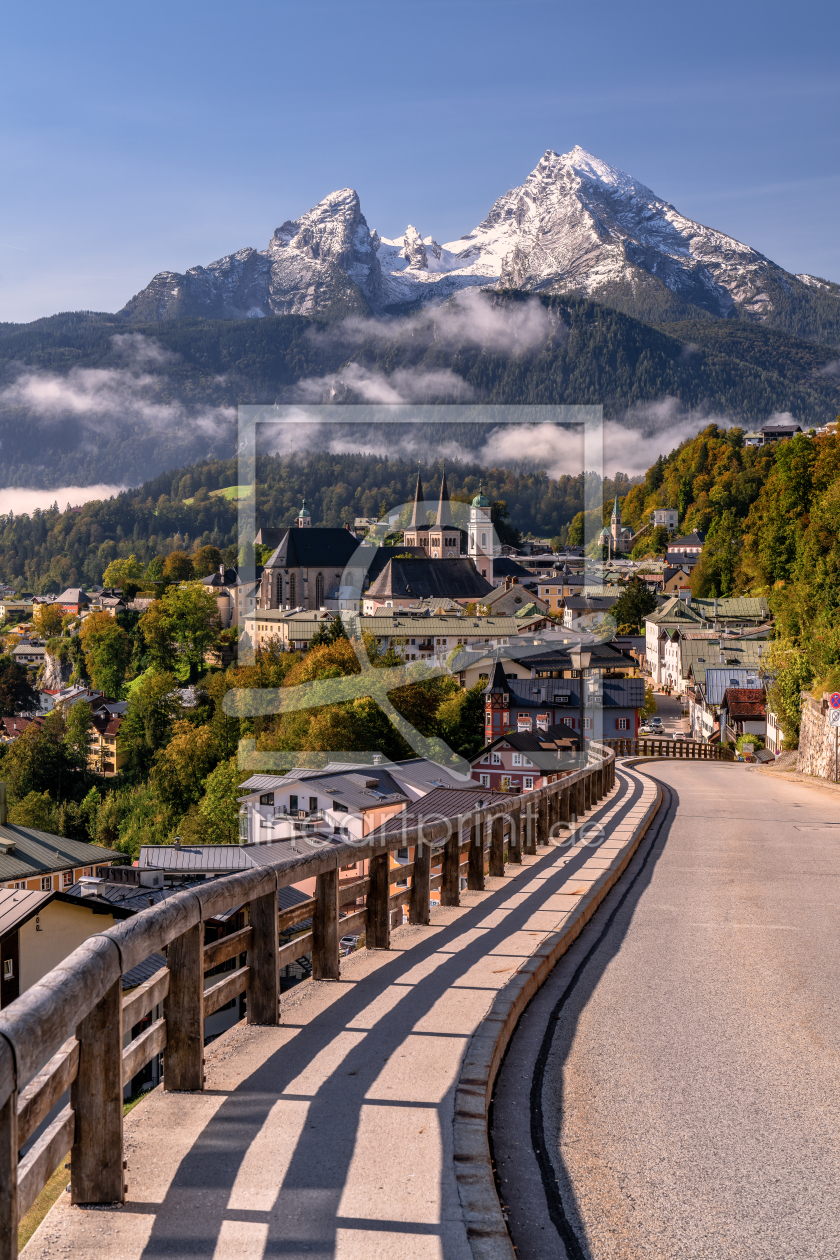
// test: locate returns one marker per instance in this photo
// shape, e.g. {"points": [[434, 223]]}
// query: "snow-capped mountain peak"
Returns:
{"points": [[575, 225]]}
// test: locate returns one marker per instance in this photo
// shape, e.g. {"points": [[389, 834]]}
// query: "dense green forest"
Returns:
{"points": [[85, 398], [184, 510]]}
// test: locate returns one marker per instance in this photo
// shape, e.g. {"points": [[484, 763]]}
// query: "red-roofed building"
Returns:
{"points": [[744, 711]]}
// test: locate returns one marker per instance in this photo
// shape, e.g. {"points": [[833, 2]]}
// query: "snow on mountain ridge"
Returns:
{"points": [[576, 225]]}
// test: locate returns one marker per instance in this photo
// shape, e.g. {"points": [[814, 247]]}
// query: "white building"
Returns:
{"points": [[481, 548]]}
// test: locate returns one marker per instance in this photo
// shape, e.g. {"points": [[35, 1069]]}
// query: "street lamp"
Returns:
{"points": [[580, 658]]}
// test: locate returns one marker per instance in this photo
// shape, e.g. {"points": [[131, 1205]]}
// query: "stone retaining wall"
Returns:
{"points": [[818, 742]]}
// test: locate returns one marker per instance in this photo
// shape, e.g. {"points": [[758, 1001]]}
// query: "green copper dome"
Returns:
{"points": [[480, 499], [303, 511]]}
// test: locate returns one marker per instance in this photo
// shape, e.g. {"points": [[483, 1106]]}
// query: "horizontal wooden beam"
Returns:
{"points": [[138, 1052], [295, 949], [297, 914], [41, 1161], [217, 995], [227, 947], [145, 998], [352, 892], [45, 1089]]}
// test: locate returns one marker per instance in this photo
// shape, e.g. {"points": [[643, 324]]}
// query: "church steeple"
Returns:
{"points": [[418, 513], [444, 512]]}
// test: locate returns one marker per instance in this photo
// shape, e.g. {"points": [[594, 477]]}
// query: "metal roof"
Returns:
{"points": [[41, 853], [442, 802], [426, 578], [606, 693], [720, 678], [750, 608], [17, 905], [348, 786], [423, 776], [468, 627], [217, 858]]}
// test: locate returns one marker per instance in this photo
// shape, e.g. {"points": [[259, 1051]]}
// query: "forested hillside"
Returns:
{"points": [[84, 400], [772, 522], [188, 508]]}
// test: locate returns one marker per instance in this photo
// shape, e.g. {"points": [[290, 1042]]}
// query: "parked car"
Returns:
{"points": [[679, 735], [655, 721], [348, 943]]}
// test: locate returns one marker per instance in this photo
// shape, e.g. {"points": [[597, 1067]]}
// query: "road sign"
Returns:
{"points": [[834, 717], [834, 699]]}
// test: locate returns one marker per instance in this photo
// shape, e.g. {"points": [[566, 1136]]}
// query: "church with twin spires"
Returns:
{"points": [[446, 541]]}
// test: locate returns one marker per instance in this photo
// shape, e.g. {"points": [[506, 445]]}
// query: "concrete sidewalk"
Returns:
{"points": [[332, 1133]]}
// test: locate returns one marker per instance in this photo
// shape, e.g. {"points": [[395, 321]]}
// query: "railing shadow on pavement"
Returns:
{"points": [[591, 955]]}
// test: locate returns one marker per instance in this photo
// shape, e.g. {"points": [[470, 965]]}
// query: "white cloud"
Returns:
{"points": [[18, 500], [125, 396], [404, 385]]}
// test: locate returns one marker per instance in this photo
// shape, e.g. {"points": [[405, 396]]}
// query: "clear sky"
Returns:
{"points": [[145, 137]]}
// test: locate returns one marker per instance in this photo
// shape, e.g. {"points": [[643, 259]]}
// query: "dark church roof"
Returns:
{"points": [[431, 579], [504, 566], [314, 549]]}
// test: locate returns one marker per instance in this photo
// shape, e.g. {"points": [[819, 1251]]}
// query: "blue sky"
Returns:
{"points": [[138, 138]]}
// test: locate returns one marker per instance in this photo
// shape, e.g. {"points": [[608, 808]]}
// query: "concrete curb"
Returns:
{"points": [[483, 1219]]}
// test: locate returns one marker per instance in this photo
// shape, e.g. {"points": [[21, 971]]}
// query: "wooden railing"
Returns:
{"points": [[67, 1030], [654, 746]]}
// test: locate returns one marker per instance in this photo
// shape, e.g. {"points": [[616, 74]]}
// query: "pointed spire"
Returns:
{"points": [[444, 512], [418, 514], [616, 509]]}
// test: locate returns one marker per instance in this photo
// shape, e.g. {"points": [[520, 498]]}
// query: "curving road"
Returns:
{"points": [[674, 1090]]}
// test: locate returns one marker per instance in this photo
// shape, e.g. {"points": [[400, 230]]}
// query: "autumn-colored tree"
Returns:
{"points": [[123, 572], [107, 651], [205, 561], [177, 567], [192, 615], [47, 620], [184, 763]]}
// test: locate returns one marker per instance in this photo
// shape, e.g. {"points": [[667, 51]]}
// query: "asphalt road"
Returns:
{"points": [[674, 1089]]}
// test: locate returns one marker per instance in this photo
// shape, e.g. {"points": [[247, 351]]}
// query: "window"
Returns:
{"points": [[485, 780], [339, 808], [528, 783], [8, 969], [587, 724], [319, 590], [621, 723], [68, 878], [402, 855], [292, 590], [267, 798], [517, 759], [46, 883], [293, 803], [505, 782], [485, 759], [313, 804], [497, 760]]}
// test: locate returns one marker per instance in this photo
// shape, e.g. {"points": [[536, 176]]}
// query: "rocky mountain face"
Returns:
{"points": [[576, 225]]}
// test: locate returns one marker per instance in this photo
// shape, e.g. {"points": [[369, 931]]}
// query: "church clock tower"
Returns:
{"points": [[481, 536]]}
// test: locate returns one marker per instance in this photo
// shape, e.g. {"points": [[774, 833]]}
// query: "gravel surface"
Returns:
{"points": [[691, 1092]]}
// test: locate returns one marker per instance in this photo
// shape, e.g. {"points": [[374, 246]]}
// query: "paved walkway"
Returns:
{"points": [[691, 1091], [331, 1135]]}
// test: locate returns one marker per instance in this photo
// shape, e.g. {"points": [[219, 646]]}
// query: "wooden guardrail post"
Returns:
{"points": [[325, 960], [263, 993], [96, 1096], [515, 837], [541, 820], [8, 1154], [418, 905], [378, 922], [183, 1008], [475, 863], [563, 810], [529, 840], [497, 845], [450, 884], [587, 793]]}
